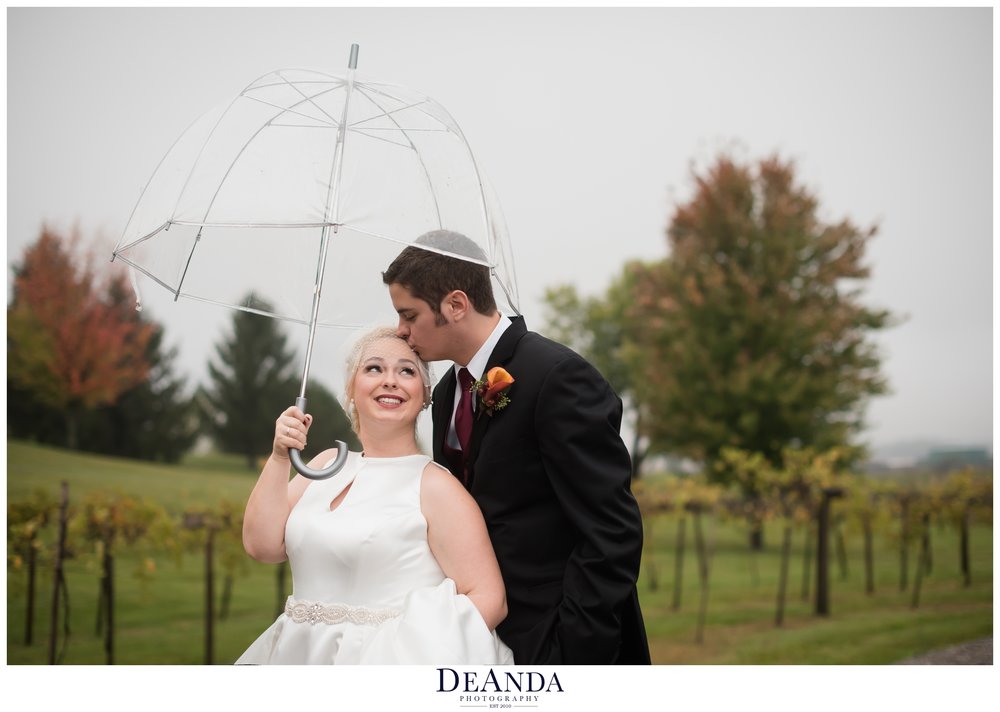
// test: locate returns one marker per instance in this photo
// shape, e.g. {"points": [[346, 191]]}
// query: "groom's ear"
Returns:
{"points": [[455, 305]]}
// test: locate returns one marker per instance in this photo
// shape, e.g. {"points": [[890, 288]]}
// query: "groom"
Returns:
{"points": [[546, 464]]}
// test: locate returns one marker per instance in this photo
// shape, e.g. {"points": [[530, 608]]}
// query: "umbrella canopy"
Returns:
{"points": [[240, 202], [290, 199]]}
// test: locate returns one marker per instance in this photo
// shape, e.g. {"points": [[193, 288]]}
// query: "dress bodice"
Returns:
{"points": [[365, 586], [372, 548]]}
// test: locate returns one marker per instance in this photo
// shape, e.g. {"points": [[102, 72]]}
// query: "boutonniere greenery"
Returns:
{"points": [[492, 391]]}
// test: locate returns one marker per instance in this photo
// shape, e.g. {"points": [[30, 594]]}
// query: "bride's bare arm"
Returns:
{"points": [[274, 495], [459, 541]]}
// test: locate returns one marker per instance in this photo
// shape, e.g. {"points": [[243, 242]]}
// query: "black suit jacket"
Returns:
{"points": [[551, 475]]}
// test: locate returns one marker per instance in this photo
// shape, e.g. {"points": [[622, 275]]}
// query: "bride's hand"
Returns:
{"points": [[290, 430]]}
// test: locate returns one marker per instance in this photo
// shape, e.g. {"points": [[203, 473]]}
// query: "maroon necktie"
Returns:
{"points": [[463, 414]]}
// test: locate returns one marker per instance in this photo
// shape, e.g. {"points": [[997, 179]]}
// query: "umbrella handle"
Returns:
{"points": [[303, 469], [333, 468]]}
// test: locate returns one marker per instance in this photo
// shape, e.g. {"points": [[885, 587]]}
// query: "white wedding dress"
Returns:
{"points": [[365, 586]]}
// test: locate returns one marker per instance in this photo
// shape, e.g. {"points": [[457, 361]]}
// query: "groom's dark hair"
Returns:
{"points": [[429, 271]]}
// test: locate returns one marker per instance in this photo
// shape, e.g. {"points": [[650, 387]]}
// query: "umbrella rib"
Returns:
{"points": [[383, 138], [289, 111], [242, 150], [385, 112], [146, 272], [407, 243], [308, 98], [292, 319], [420, 158], [302, 126], [208, 138], [130, 245], [487, 222], [194, 223], [197, 239], [280, 317], [389, 128], [146, 187], [365, 132], [272, 315], [229, 170], [332, 80], [201, 151]]}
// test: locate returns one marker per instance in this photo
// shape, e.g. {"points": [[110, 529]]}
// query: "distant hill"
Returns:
{"points": [[934, 453]]}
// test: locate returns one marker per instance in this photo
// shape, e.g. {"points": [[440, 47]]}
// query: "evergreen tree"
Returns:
{"points": [[251, 382], [153, 421]]}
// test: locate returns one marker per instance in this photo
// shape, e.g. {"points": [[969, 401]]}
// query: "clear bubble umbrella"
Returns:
{"points": [[291, 198]]}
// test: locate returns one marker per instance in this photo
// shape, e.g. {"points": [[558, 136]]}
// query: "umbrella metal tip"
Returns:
{"points": [[353, 63]]}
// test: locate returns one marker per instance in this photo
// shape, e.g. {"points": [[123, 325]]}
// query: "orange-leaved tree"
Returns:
{"points": [[66, 342], [758, 336]]}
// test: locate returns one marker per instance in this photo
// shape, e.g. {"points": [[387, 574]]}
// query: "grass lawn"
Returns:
{"points": [[161, 621], [861, 629]]}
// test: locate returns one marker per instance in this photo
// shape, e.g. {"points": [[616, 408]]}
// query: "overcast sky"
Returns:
{"points": [[587, 122]]}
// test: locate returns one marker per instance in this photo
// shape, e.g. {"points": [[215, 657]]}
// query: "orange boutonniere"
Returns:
{"points": [[492, 390]]}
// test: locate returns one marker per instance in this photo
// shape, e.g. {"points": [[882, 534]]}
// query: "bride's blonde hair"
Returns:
{"points": [[354, 363]]}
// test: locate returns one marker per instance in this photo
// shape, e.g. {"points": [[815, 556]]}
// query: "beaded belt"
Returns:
{"points": [[312, 612]]}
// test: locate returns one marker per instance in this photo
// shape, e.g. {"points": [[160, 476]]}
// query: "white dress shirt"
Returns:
{"points": [[477, 367]]}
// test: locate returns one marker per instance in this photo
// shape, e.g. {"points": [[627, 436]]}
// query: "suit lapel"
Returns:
{"points": [[444, 398], [502, 354]]}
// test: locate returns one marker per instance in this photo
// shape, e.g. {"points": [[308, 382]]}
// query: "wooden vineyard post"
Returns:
{"points": [[58, 577], [679, 561], [921, 567], [786, 549], [209, 596], [807, 562], [904, 503], [866, 524], [841, 550], [964, 546], [702, 551], [196, 521], [823, 551], [652, 574], [108, 598], [30, 613], [926, 543]]}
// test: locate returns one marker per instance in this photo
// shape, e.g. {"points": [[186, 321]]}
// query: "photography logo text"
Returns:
{"points": [[497, 690]]}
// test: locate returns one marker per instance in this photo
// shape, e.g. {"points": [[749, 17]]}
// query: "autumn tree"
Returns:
{"points": [[66, 343], [756, 335], [252, 380]]}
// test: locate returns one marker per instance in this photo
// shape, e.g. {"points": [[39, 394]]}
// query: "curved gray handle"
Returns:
{"points": [[303, 469], [329, 471]]}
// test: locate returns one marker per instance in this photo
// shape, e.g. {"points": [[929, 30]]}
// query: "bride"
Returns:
{"points": [[391, 561]]}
